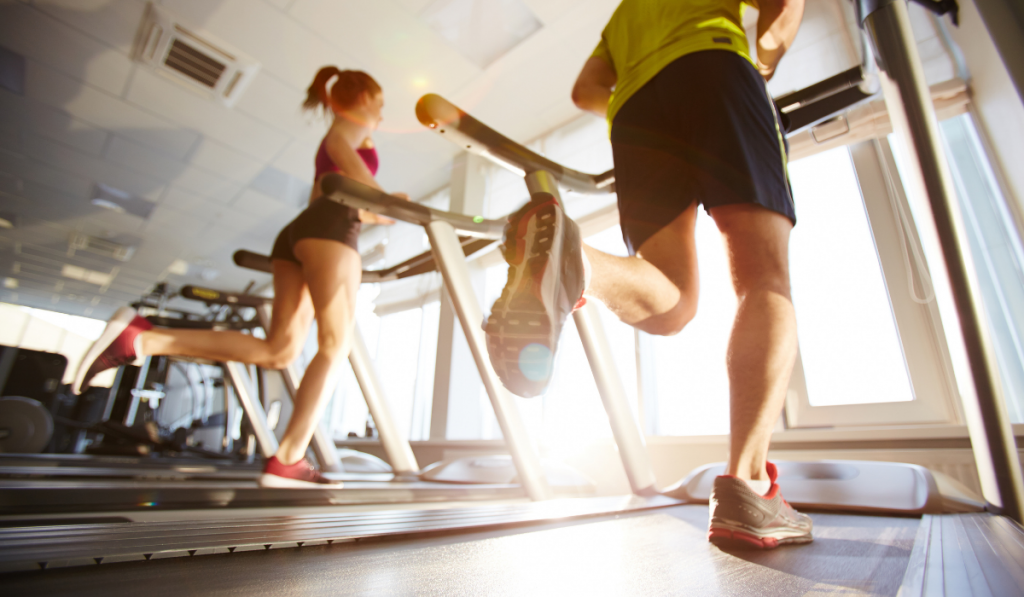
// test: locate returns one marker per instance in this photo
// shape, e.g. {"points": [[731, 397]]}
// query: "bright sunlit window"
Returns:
{"points": [[848, 339]]}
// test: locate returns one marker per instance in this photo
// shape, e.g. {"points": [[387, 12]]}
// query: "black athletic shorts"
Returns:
{"points": [[703, 129], [322, 219]]}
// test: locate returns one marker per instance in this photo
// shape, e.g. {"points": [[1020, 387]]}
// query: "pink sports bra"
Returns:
{"points": [[324, 164]]}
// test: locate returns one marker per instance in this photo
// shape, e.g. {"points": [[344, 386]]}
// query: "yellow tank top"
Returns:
{"points": [[645, 36]]}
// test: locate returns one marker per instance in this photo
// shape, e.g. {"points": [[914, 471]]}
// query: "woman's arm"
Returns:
{"points": [[594, 86], [777, 24]]}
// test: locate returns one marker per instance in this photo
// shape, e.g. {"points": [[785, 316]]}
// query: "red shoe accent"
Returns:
{"points": [[580, 303], [524, 224], [302, 474], [740, 540], [114, 347]]}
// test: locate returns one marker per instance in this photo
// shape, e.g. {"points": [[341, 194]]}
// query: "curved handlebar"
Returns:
{"points": [[437, 113], [355, 194]]}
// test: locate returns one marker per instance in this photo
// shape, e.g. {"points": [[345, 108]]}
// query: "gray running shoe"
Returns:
{"points": [[543, 249], [741, 519]]}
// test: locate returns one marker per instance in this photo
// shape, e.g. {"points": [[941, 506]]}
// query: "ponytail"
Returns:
{"points": [[344, 93]]}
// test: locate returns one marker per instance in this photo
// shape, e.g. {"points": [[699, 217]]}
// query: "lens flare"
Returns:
{"points": [[535, 362]]}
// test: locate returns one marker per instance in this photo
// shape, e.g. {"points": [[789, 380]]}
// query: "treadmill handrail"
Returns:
{"points": [[414, 266], [800, 98], [439, 114], [804, 107], [355, 194]]}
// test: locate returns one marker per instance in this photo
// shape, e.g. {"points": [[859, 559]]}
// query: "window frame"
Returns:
{"points": [[936, 396]]}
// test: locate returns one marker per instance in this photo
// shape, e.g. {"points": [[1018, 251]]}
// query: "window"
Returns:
{"points": [[849, 344], [996, 253], [690, 385], [402, 347]]}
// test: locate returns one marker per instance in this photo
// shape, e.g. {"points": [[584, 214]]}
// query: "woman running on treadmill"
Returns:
{"points": [[317, 271]]}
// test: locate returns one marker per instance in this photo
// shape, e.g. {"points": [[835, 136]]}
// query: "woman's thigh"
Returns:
{"points": [[332, 272]]}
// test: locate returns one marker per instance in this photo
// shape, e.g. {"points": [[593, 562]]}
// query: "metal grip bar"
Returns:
{"points": [[992, 439], [439, 114], [351, 193], [820, 90], [632, 451]]}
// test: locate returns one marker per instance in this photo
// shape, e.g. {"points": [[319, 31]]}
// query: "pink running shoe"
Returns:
{"points": [[114, 347], [301, 475], [742, 519]]}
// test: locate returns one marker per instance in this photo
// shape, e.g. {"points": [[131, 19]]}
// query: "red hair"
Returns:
{"points": [[344, 93]]}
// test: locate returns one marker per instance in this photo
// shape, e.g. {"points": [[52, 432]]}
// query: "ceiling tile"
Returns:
{"points": [[98, 170], [28, 169], [208, 185], [549, 11], [113, 22], [60, 126], [501, 97], [198, 180], [284, 47], [175, 102], [213, 156], [167, 222], [185, 201], [297, 159], [106, 111], [143, 159], [395, 47], [271, 101], [264, 207], [42, 38], [284, 187]]}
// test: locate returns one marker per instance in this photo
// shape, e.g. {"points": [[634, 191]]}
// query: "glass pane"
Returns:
{"points": [[996, 252], [691, 385], [849, 343], [425, 365]]}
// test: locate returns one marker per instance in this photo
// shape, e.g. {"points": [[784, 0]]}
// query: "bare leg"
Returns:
{"points": [[762, 347], [332, 272], [289, 326], [655, 291]]}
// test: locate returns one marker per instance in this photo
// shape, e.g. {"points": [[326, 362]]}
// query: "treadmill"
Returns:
{"points": [[632, 545]]}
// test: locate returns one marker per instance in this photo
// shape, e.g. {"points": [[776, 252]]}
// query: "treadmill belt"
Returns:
{"points": [[648, 552]]}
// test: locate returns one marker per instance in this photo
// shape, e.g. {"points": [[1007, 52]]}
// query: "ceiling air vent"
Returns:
{"points": [[99, 246], [193, 57]]}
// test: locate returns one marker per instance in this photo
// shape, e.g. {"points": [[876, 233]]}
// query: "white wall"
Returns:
{"points": [[999, 108]]}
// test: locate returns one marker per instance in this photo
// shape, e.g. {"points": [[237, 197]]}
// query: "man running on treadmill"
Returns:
{"points": [[691, 122]]}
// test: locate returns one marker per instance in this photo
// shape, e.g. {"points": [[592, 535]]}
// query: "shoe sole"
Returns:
{"points": [[519, 331], [115, 327], [268, 481], [737, 537]]}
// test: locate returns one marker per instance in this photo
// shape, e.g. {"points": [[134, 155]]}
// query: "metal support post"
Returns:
{"points": [[630, 442], [632, 450], [323, 447], [452, 263], [992, 439], [242, 385], [395, 444], [136, 393]]}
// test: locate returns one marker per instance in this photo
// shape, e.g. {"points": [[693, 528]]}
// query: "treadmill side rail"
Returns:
{"points": [[456, 277]]}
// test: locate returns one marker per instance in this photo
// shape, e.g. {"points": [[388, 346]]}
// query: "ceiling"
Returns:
{"points": [[223, 178]]}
